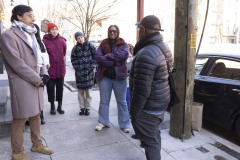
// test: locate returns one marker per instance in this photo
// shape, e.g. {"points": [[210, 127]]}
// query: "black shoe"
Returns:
{"points": [[87, 112], [60, 111], [42, 122], [42, 118], [134, 136], [82, 111], [52, 111], [27, 123]]}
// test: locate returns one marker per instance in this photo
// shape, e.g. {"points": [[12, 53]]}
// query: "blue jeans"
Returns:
{"points": [[119, 87]]}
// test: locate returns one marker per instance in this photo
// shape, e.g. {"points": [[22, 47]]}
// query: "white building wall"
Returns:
{"points": [[223, 16]]}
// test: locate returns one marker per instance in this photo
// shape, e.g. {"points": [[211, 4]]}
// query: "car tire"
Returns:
{"points": [[237, 126]]}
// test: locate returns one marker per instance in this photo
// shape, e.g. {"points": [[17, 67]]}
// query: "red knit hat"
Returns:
{"points": [[50, 26]]}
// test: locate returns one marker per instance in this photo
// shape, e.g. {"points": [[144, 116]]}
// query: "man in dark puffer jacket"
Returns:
{"points": [[149, 86]]}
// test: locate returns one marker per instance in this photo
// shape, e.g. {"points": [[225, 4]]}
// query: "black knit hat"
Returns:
{"points": [[150, 22], [78, 34]]}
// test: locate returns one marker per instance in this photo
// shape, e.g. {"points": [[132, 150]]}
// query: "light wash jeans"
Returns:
{"points": [[119, 88]]}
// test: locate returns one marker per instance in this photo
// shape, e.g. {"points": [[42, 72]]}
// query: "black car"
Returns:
{"points": [[217, 86], [96, 43]]}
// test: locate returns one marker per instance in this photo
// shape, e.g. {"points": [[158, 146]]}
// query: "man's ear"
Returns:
{"points": [[19, 17], [142, 31]]}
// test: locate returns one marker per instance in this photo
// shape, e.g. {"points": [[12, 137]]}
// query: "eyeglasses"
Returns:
{"points": [[113, 31], [140, 27], [31, 16]]}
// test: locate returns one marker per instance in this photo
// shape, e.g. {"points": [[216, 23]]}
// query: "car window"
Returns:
{"points": [[228, 69], [200, 62], [96, 43]]}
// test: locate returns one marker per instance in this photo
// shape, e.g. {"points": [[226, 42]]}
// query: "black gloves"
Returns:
{"points": [[45, 79]]}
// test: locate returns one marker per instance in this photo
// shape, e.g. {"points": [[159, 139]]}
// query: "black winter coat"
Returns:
{"points": [[148, 79], [83, 62]]}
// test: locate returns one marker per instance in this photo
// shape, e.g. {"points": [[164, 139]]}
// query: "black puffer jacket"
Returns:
{"points": [[148, 80]]}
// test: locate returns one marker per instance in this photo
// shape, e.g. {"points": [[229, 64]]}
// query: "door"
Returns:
{"points": [[218, 87]]}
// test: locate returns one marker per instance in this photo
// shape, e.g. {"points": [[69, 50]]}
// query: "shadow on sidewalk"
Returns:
{"points": [[71, 85]]}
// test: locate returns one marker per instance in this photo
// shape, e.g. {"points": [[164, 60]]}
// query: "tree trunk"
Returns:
{"points": [[184, 62]]}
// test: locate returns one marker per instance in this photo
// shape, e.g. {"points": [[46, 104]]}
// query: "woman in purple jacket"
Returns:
{"points": [[111, 58], [56, 49]]}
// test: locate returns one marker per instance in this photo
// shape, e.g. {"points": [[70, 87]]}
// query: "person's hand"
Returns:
{"points": [[40, 84], [47, 66], [45, 79]]}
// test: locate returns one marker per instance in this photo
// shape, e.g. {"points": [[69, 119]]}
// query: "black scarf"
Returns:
{"points": [[146, 40]]}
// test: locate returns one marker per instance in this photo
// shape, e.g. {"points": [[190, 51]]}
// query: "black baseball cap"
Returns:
{"points": [[150, 22]]}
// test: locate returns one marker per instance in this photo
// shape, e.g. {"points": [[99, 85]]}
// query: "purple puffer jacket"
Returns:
{"points": [[117, 58], [56, 49]]}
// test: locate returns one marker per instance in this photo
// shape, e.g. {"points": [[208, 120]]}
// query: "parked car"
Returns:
{"points": [[96, 43], [129, 62], [217, 86]]}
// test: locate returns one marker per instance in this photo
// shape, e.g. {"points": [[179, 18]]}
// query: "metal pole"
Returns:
{"points": [[140, 9], [140, 12]]}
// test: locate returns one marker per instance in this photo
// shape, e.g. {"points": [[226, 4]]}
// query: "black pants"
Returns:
{"points": [[58, 82], [146, 127]]}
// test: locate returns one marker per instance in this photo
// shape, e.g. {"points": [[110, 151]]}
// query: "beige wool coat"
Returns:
{"points": [[21, 66]]}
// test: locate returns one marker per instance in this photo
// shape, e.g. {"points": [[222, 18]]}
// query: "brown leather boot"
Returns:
{"points": [[20, 156], [42, 149]]}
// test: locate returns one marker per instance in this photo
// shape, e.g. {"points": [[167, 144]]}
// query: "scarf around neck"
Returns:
{"points": [[105, 45], [24, 27], [146, 40], [30, 33]]}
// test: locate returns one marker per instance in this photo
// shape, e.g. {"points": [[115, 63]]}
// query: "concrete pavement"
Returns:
{"points": [[73, 137]]}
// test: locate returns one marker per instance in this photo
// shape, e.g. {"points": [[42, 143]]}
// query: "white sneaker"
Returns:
{"points": [[126, 130], [99, 127]]}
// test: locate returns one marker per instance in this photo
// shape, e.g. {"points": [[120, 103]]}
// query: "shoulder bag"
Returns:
{"points": [[174, 99]]}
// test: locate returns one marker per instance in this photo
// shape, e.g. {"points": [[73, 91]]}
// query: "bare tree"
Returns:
{"points": [[87, 14], [219, 23], [50, 11]]}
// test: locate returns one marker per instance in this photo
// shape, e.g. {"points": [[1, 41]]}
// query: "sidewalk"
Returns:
{"points": [[73, 137]]}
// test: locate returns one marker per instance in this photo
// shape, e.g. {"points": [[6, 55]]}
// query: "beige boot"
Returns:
{"points": [[42, 149], [20, 156]]}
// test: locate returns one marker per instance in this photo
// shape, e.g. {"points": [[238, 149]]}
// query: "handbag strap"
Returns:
{"points": [[168, 67]]}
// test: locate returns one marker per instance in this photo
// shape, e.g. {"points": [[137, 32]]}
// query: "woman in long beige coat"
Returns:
{"points": [[23, 64]]}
